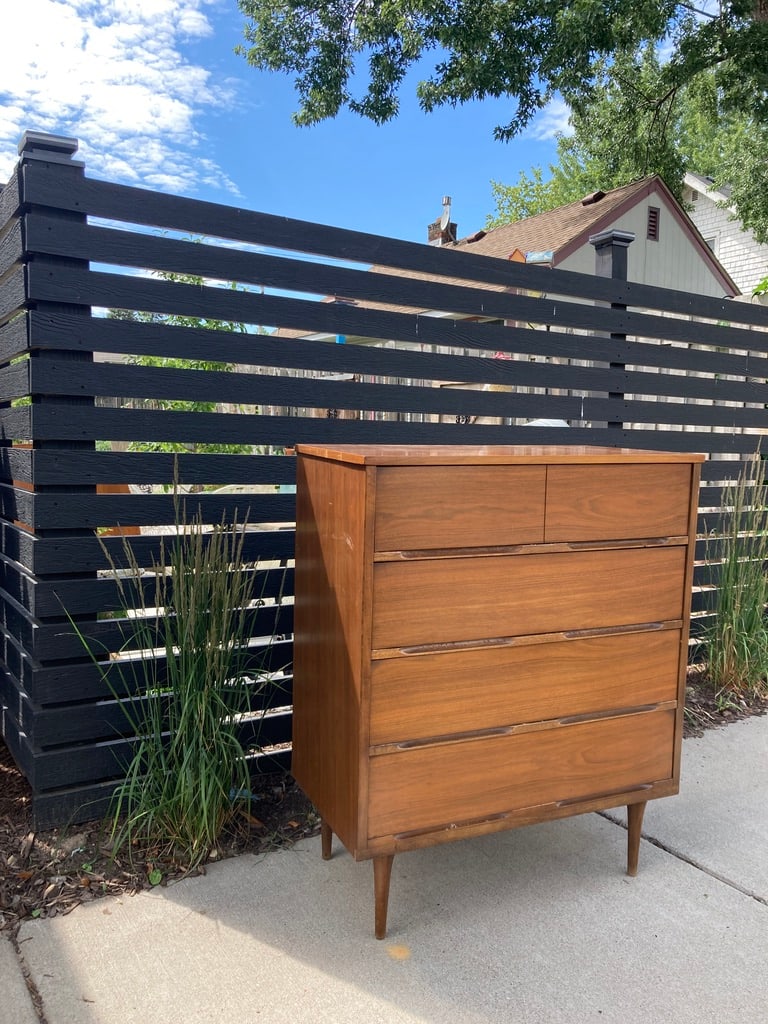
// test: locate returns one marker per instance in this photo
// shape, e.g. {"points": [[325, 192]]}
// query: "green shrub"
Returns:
{"points": [[736, 640]]}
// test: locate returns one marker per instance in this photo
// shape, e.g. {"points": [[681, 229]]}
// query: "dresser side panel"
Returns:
{"points": [[328, 641]]}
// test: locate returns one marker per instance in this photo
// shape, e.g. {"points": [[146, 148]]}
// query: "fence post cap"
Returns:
{"points": [[612, 237], [53, 148]]}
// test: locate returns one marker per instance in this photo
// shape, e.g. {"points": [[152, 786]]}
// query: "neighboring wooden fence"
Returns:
{"points": [[673, 371]]}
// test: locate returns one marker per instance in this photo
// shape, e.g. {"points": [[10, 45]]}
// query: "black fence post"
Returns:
{"points": [[58, 154], [611, 261], [58, 150]]}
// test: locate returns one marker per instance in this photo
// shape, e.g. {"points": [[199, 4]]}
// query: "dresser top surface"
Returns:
{"points": [[424, 455]]}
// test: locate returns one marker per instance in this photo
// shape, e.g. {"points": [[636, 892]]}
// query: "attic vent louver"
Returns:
{"points": [[593, 197], [653, 223]]}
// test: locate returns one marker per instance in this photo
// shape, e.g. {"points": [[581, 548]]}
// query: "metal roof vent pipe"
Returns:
{"points": [[443, 230]]}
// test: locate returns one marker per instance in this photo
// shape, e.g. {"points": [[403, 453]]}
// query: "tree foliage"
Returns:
{"points": [[622, 133], [527, 50]]}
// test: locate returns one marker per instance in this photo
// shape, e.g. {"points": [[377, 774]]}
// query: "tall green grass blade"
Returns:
{"points": [[736, 641]]}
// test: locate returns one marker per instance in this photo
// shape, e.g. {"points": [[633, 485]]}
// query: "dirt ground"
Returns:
{"points": [[51, 872]]}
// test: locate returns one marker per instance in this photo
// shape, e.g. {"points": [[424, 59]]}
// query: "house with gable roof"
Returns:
{"points": [[668, 251]]}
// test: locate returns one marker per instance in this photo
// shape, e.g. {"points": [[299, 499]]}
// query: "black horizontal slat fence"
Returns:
{"points": [[152, 344]]}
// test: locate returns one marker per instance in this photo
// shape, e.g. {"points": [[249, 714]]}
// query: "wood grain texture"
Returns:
{"points": [[511, 648], [443, 600], [425, 787], [621, 501], [328, 655], [455, 506], [435, 694], [47, 328], [43, 186]]}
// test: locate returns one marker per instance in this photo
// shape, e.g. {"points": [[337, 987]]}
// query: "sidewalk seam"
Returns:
{"points": [[34, 995], [688, 860]]}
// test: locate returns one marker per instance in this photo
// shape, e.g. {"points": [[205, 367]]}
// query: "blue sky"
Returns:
{"points": [[157, 98]]}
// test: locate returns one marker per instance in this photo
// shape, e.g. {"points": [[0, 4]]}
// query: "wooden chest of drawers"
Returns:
{"points": [[487, 638]]}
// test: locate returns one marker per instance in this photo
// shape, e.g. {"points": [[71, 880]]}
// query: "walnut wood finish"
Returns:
{"points": [[326, 840], [454, 782], [458, 506], [635, 814], [427, 695], [486, 638], [428, 601]]}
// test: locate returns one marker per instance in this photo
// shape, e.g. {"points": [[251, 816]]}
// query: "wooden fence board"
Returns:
{"points": [[56, 378], [60, 640], [13, 338], [67, 510], [56, 421], [11, 248], [48, 598], [12, 294], [49, 281], [9, 200], [52, 555], [107, 719], [146, 468], [84, 681], [264, 350]]}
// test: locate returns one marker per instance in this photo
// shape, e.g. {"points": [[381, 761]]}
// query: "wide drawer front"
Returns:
{"points": [[617, 502], [429, 507], [428, 787], [455, 599], [465, 690]]}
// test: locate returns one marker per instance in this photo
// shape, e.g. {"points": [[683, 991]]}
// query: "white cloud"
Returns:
{"points": [[552, 121], [113, 74]]}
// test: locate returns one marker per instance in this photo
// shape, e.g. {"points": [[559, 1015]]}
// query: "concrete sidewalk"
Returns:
{"points": [[538, 926]]}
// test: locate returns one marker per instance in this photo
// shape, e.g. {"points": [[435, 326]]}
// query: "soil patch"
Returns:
{"points": [[51, 872]]}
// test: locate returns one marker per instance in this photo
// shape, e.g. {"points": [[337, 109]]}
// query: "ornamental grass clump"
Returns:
{"points": [[736, 640], [188, 767]]}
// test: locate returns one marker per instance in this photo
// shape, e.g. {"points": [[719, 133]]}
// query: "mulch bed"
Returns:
{"points": [[51, 872], [704, 709]]}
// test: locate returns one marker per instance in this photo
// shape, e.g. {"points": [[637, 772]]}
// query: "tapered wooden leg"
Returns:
{"points": [[635, 814], [326, 839], [382, 872]]}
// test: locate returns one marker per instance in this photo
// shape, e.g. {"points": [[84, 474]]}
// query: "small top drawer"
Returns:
{"points": [[429, 507], [617, 502]]}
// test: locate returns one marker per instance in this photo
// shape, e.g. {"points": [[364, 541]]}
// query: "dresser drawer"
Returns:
{"points": [[428, 787], [426, 507], [428, 601], [617, 502], [465, 690]]}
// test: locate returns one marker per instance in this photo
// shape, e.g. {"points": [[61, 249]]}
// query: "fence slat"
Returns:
{"points": [[50, 283]]}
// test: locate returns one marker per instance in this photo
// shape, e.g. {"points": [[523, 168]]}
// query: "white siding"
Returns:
{"points": [[739, 253]]}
